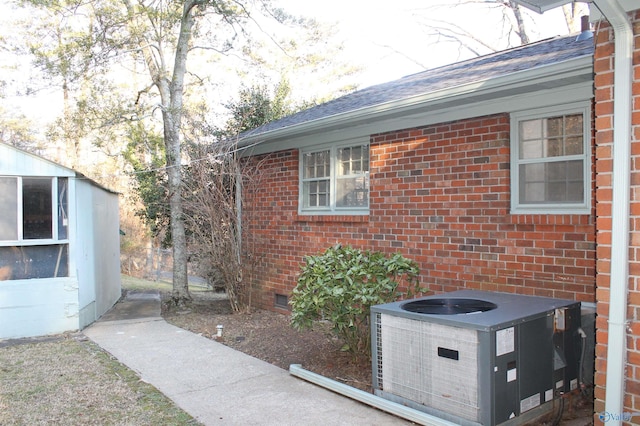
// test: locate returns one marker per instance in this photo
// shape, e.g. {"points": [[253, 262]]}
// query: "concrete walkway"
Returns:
{"points": [[214, 383]]}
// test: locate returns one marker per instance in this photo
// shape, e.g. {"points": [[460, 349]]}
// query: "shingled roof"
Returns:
{"points": [[478, 69]]}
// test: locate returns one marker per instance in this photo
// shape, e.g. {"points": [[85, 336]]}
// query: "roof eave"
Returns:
{"points": [[548, 76], [542, 6]]}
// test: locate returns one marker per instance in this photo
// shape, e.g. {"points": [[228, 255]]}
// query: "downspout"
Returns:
{"points": [[620, 215], [238, 211]]}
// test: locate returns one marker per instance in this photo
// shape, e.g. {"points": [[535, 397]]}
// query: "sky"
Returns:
{"points": [[387, 39], [390, 38]]}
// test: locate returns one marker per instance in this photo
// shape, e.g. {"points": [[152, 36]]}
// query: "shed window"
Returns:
{"points": [[33, 227], [550, 166], [37, 215], [9, 208], [335, 180]]}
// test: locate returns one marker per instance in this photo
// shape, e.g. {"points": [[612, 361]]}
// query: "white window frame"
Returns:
{"points": [[332, 209], [583, 207], [56, 216]]}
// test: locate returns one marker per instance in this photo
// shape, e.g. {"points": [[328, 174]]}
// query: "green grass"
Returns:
{"points": [[73, 382], [132, 283]]}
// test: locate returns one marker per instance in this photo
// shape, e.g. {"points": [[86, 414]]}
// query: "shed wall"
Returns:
{"points": [[14, 162], [34, 307], [38, 307], [97, 251]]}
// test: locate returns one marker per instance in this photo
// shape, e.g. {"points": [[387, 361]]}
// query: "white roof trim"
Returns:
{"points": [[526, 81], [542, 6]]}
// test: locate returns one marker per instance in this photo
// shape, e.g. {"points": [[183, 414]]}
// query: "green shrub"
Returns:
{"points": [[342, 284]]}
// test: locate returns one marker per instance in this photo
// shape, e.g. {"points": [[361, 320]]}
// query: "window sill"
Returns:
{"points": [[332, 218], [550, 219]]}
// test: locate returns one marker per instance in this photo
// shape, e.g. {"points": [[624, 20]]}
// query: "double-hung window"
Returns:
{"points": [[34, 227], [335, 180], [551, 162]]}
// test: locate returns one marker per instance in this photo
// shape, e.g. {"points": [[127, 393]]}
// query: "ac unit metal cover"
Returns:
{"points": [[481, 368]]}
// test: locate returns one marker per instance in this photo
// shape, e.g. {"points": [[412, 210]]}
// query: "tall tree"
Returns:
{"points": [[477, 27], [256, 106], [96, 42], [160, 33]]}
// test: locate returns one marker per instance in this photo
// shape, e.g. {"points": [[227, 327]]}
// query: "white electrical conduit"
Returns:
{"points": [[619, 279]]}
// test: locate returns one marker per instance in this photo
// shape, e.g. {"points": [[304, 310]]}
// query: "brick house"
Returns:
{"points": [[493, 174]]}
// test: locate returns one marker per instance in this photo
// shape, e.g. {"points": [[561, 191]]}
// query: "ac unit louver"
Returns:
{"points": [[476, 358]]}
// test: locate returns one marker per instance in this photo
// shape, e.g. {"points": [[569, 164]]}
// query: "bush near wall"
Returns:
{"points": [[342, 284]]}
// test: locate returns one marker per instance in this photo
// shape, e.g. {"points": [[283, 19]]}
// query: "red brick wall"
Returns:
{"points": [[441, 196], [603, 67]]}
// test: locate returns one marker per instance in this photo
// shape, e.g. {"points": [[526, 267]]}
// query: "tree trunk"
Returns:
{"points": [[178, 239], [172, 101], [171, 97]]}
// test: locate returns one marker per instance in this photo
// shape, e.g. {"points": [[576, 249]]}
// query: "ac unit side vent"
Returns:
{"points": [[378, 371], [432, 364], [498, 365]]}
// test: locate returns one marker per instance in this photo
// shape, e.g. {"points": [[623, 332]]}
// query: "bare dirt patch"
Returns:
{"points": [[268, 336]]}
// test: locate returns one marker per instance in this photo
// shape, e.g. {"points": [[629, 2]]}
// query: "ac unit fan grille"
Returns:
{"points": [[432, 364]]}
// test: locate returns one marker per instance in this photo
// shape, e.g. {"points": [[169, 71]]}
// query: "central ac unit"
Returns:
{"points": [[476, 358]]}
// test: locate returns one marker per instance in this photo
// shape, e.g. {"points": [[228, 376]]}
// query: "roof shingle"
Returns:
{"points": [[498, 64]]}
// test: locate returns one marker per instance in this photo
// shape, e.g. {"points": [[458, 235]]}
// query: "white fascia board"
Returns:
{"points": [[542, 6], [544, 98], [454, 99]]}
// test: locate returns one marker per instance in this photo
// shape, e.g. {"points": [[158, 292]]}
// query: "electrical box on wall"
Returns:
{"points": [[476, 358]]}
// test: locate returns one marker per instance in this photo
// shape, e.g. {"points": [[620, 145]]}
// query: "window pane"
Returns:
{"points": [[573, 124], [554, 126], [552, 137], [530, 129], [37, 217], [316, 164], [531, 149], [557, 182], [9, 208], [356, 153], [574, 145], [344, 154], [316, 193], [353, 160], [352, 192], [574, 170], [575, 191], [344, 168], [63, 208], [554, 147], [34, 262], [365, 158]]}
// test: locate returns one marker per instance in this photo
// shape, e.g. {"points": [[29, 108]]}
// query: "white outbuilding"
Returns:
{"points": [[59, 247]]}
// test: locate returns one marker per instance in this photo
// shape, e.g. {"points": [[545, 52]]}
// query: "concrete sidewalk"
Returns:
{"points": [[214, 383]]}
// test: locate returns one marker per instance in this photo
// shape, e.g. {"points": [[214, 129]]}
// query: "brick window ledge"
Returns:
{"points": [[332, 218], [551, 219]]}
